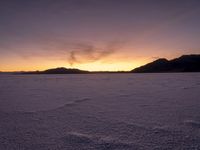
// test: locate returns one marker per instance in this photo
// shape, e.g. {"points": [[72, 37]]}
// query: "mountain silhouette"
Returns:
{"points": [[60, 70], [185, 63]]}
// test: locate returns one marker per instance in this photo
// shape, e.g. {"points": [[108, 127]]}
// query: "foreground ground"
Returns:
{"points": [[100, 112]]}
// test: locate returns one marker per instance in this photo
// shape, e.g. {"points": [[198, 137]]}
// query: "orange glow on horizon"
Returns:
{"points": [[88, 67], [119, 61], [40, 65]]}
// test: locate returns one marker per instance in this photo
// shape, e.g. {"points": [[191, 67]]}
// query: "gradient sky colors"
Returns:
{"points": [[95, 34]]}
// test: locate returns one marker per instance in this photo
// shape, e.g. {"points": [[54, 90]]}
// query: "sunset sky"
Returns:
{"points": [[95, 34]]}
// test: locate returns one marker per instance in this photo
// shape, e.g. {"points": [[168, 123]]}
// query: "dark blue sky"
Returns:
{"points": [[95, 34]]}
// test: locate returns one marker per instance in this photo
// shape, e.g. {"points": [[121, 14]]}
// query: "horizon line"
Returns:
{"points": [[13, 71]]}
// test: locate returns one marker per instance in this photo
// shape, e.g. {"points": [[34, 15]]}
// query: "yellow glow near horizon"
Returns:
{"points": [[39, 64], [121, 61], [90, 67]]}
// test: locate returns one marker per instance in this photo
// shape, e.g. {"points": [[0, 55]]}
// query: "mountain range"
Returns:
{"points": [[185, 63], [60, 70]]}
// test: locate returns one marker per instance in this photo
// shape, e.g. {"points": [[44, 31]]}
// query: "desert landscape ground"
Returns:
{"points": [[102, 112]]}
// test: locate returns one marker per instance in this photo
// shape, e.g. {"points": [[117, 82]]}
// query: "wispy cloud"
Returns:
{"points": [[72, 52], [84, 53]]}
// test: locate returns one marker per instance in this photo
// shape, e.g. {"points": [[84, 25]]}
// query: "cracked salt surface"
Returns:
{"points": [[100, 112]]}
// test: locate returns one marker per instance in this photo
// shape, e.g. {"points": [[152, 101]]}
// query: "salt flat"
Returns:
{"points": [[100, 112]]}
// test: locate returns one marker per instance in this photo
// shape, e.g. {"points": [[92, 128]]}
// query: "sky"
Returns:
{"points": [[95, 35]]}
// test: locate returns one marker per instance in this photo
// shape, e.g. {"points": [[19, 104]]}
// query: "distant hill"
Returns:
{"points": [[185, 63], [61, 70]]}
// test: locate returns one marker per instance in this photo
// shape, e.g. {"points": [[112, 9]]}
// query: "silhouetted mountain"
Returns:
{"points": [[61, 70], [64, 71], [185, 63]]}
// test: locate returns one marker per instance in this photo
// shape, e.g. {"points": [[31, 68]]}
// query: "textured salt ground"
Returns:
{"points": [[156, 111]]}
